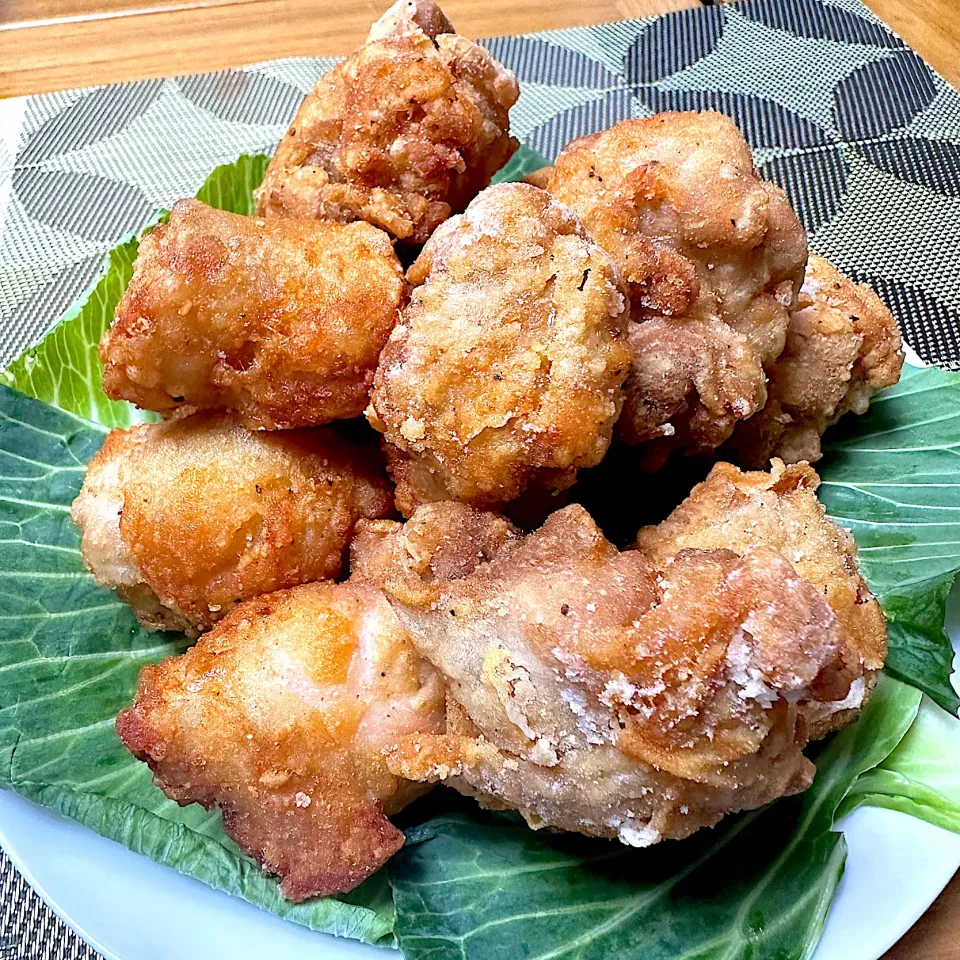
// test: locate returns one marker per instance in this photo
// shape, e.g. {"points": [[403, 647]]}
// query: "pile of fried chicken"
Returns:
{"points": [[648, 291]]}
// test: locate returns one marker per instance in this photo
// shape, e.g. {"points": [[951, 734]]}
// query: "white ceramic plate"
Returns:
{"points": [[130, 908]]}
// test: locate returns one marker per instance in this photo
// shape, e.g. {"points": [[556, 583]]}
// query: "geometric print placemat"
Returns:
{"points": [[29, 929], [860, 132]]}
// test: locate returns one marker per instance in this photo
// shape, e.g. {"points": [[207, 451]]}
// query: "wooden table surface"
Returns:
{"points": [[56, 44]]}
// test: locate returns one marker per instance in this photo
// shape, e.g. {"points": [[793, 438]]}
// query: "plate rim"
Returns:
{"points": [[88, 935], [38, 888], [951, 626]]}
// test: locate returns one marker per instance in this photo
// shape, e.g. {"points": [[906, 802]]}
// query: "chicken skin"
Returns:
{"points": [[690, 383], [278, 321], [504, 373], [708, 250], [639, 695], [403, 133], [279, 716], [842, 346], [187, 518], [741, 511]]}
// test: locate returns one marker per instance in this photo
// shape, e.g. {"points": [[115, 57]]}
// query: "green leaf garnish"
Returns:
{"points": [[230, 186], [921, 777], [525, 161], [892, 477]]}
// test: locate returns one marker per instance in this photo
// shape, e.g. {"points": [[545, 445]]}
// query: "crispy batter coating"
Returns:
{"points": [[279, 716], [741, 511], [403, 133], [505, 371], [676, 200], [690, 382], [187, 518], [280, 321], [614, 694], [540, 177], [842, 346], [698, 235]]}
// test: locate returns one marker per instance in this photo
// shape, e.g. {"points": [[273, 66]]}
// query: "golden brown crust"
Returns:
{"points": [[641, 694], [690, 382], [378, 552], [842, 346], [188, 517], [505, 371], [402, 133], [675, 199], [737, 511], [279, 716], [539, 178], [280, 321]]}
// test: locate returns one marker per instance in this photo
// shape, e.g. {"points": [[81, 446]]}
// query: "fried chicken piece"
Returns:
{"points": [[603, 692], [743, 511], [280, 321], [539, 178], [505, 371], [690, 382], [279, 716], [189, 517], [842, 346], [403, 133], [677, 202], [698, 236]]}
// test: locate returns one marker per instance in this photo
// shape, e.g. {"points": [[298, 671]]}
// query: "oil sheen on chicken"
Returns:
{"points": [[187, 518], [279, 716]]}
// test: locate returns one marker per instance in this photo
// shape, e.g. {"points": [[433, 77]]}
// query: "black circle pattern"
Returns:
{"points": [[883, 96], [672, 43]]}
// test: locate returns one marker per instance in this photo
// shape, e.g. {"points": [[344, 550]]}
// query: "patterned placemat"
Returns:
{"points": [[861, 133], [29, 929]]}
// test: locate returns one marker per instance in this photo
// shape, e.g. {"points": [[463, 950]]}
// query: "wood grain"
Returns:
{"points": [[22, 13], [165, 42], [57, 44], [936, 935], [932, 28]]}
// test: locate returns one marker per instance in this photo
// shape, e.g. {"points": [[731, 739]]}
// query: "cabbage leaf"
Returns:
{"points": [[471, 884]]}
